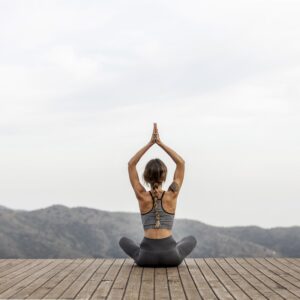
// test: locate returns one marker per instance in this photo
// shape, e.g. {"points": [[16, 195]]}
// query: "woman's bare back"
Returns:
{"points": [[169, 202]]}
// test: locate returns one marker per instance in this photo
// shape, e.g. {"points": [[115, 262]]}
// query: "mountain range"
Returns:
{"points": [[59, 231]]}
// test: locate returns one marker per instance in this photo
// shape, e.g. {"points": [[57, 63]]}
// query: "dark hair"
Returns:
{"points": [[154, 174]]}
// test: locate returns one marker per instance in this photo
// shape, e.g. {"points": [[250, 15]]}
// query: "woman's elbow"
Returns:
{"points": [[181, 161]]}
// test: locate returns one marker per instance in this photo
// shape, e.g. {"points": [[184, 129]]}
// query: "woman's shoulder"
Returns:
{"points": [[148, 195]]}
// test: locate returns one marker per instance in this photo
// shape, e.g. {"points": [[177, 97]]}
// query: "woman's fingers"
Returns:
{"points": [[155, 134]]}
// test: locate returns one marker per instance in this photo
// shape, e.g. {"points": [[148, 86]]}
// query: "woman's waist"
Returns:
{"points": [[159, 233], [162, 243]]}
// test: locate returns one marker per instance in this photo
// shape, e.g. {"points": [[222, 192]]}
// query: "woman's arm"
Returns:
{"points": [[133, 174], [135, 159], [175, 156], [180, 168]]}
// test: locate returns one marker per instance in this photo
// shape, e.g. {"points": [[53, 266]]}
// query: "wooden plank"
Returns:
{"points": [[147, 284], [28, 287], [35, 285], [59, 289], [259, 274], [161, 286], [212, 280], [14, 278], [235, 291], [272, 272], [4, 261], [175, 285], [202, 285], [54, 281], [91, 285], [6, 264], [287, 273], [132, 290], [295, 261], [119, 286], [200, 278], [239, 280], [255, 282], [107, 282], [188, 283], [15, 270], [45, 265], [290, 264], [79, 282]]}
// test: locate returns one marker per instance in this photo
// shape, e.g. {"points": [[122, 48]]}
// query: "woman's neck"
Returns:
{"points": [[159, 188]]}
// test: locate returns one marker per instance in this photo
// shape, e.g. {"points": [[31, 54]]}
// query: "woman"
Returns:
{"points": [[158, 247]]}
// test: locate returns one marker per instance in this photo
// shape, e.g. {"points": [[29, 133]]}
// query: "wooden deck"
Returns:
{"points": [[195, 278]]}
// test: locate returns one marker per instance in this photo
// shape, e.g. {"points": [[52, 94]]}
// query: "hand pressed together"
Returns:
{"points": [[155, 135]]}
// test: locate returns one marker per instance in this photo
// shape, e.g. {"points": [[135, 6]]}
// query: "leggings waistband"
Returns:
{"points": [[158, 244]]}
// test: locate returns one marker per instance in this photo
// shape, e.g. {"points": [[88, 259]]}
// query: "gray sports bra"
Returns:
{"points": [[158, 218]]}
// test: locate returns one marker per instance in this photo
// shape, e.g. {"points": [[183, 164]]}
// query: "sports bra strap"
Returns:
{"points": [[160, 197]]}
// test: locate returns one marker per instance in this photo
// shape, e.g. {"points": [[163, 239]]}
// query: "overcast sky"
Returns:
{"points": [[81, 83]]}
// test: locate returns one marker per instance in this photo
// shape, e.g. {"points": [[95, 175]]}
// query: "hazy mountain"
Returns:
{"points": [[62, 232]]}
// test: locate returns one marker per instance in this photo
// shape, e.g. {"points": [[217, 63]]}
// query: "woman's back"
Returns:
{"points": [[166, 207]]}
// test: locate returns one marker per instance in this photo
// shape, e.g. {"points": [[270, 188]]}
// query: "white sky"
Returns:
{"points": [[81, 83]]}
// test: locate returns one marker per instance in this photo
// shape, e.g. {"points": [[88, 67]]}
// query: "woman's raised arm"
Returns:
{"points": [[180, 166], [135, 159], [133, 174], [175, 156]]}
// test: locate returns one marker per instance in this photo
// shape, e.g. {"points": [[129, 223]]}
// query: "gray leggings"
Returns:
{"points": [[165, 252]]}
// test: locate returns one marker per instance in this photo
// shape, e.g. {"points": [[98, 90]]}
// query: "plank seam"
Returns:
{"points": [[154, 284], [139, 294], [7, 262], [193, 279], [127, 282], [219, 280], [245, 278], [50, 277], [168, 283], [257, 277], [279, 277], [77, 276], [280, 268], [27, 264], [184, 291], [206, 278], [91, 296], [214, 259], [288, 266], [90, 276], [73, 262], [115, 277], [293, 260], [25, 278]]}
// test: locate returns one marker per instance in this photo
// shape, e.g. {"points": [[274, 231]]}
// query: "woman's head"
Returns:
{"points": [[155, 172]]}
